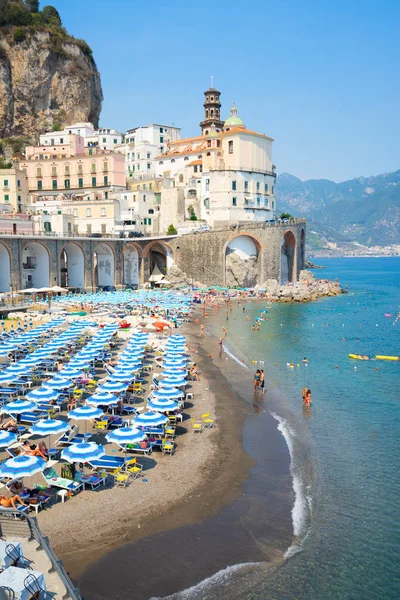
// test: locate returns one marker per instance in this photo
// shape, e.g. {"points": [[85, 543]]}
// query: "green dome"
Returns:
{"points": [[233, 120]]}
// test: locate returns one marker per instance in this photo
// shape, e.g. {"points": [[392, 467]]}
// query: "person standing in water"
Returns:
{"points": [[262, 381], [257, 377]]}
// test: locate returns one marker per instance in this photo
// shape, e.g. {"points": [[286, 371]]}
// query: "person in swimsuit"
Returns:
{"points": [[262, 381], [308, 398], [10, 502], [303, 394], [257, 377]]}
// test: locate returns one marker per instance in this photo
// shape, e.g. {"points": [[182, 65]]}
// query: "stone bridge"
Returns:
{"points": [[220, 257]]}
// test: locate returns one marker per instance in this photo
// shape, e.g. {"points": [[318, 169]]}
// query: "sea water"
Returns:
{"points": [[345, 449]]}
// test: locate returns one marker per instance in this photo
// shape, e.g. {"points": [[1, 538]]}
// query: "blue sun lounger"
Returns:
{"points": [[108, 463]]}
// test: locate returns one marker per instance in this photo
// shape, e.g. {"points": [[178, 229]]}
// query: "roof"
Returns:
{"points": [[195, 162]]}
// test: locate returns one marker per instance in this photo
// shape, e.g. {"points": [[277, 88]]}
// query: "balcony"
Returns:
{"points": [[254, 205]]}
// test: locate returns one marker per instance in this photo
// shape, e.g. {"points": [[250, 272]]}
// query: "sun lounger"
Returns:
{"points": [[107, 463], [136, 448], [71, 437], [19, 508], [53, 480], [93, 481], [30, 418]]}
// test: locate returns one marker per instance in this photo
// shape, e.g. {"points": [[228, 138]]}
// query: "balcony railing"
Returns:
{"points": [[244, 170]]}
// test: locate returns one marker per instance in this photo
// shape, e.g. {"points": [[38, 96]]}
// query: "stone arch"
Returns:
{"points": [[72, 266], [5, 269], [132, 255], [302, 249], [159, 254], [242, 260], [35, 265], [288, 257], [104, 265]]}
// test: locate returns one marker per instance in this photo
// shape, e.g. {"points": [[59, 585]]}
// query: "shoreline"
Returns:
{"points": [[95, 536]]}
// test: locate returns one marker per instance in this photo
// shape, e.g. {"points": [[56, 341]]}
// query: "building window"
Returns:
{"points": [[6, 198], [88, 229], [207, 203], [88, 212], [39, 185], [80, 171], [230, 147], [75, 212], [54, 184], [61, 140], [115, 141], [207, 185], [161, 162], [80, 182], [144, 186], [103, 228], [150, 186], [90, 152], [195, 169], [258, 201], [266, 201], [93, 181], [266, 188], [161, 139], [273, 189], [105, 180], [148, 155], [138, 167], [18, 183], [180, 178], [54, 171], [66, 170], [38, 172], [173, 160], [149, 221], [186, 158], [258, 186], [67, 184], [246, 186], [234, 201], [52, 142], [144, 197], [161, 129], [103, 212], [104, 140], [151, 211], [234, 186], [134, 197], [148, 165], [105, 166], [93, 168]]}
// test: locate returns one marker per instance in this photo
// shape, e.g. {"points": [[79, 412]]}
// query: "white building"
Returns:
{"points": [[143, 144], [225, 175], [105, 139]]}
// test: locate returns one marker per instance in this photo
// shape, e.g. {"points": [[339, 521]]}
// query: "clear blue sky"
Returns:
{"points": [[319, 76]]}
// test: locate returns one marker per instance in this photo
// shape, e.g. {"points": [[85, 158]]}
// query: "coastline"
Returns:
{"points": [[140, 510]]}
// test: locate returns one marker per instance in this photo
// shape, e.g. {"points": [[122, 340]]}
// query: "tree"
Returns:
{"points": [[285, 216], [51, 15], [17, 15], [19, 35], [171, 230], [33, 5]]}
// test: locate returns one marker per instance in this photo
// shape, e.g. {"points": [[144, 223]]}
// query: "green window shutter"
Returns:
{"points": [[39, 185], [94, 181], [105, 180], [54, 183], [80, 182], [67, 184]]}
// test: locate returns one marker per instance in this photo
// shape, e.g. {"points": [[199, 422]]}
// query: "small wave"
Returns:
{"points": [[227, 351], [201, 590], [301, 510]]}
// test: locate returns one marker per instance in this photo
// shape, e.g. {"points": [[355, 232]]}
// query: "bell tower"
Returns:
{"points": [[212, 110]]}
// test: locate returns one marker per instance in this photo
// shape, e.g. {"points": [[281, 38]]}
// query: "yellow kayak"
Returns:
{"points": [[358, 357], [388, 357]]}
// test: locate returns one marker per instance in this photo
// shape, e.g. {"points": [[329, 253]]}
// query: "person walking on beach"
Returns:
{"points": [[257, 377], [262, 381]]}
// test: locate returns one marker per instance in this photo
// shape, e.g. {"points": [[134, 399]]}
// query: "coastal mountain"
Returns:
{"points": [[47, 77], [365, 210]]}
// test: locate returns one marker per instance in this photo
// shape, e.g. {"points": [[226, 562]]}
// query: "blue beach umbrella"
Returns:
{"points": [[149, 419], [125, 435], [19, 369], [174, 372], [7, 438], [162, 405], [9, 377], [82, 453], [173, 382], [59, 383], [70, 373], [102, 399], [49, 427], [18, 407], [127, 376], [22, 466], [43, 393], [113, 386], [83, 413], [168, 392]]}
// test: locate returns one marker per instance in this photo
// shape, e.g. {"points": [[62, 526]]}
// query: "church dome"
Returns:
{"points": [[233, 120]]}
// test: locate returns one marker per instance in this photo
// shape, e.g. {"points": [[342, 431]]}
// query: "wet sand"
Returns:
{"points": [[223, 521]]}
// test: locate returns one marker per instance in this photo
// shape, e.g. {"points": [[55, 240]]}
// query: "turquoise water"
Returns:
{"points": [[345, 450]]}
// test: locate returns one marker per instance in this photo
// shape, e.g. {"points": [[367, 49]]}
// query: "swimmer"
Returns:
{"points": [[257, 377], [308, 398], [247, 318], [304, 394], [304, 360], [253, 329]]}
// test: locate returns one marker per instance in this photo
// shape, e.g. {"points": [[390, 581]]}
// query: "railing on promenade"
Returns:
{"points": [[14, 524]]}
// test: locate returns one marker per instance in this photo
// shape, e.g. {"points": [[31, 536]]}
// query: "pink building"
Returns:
{"points": [[70, 167]]}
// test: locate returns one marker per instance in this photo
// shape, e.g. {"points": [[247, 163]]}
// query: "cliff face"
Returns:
{"points": [[43, 83]]}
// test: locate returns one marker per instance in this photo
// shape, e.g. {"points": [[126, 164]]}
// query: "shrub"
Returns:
{"points": [[51, 15], [171, 230], [285, 216], [56, 126], [193, 217], [19, 35], [17, 15]]}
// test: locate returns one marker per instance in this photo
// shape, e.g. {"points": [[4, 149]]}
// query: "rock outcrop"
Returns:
{"points": [[241, 271], [46, 83], [307, 289]]}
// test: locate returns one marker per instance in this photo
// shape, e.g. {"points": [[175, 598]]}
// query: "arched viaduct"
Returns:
{"points": [[79, 262]]}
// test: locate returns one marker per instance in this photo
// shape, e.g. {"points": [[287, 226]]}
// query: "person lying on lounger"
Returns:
{"points": [[10, 502], [33, 450], [11, 425]]}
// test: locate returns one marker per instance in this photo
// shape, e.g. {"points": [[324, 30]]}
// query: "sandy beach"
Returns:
{"points": [[180, 489]]}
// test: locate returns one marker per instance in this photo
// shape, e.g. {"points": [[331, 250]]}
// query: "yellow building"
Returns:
{"points": [[143, 185], [93, 216], [13, 190]]}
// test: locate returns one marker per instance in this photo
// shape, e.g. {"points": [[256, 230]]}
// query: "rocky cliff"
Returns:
{"points": [[45, 83]]}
